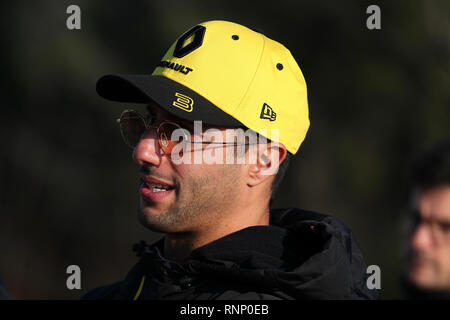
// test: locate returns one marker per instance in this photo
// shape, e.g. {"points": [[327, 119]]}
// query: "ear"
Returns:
{"points": [[267, 163]]}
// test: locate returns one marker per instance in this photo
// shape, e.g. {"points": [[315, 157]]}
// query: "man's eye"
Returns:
{"points": [[444, 226], [416, 219], [150, 118]]}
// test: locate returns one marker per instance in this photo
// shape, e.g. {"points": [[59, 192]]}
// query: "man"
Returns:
{"points": [[427, 273], [209, 191]]}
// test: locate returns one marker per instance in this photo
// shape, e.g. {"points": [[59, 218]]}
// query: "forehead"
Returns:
{"points": [[434, 203]]}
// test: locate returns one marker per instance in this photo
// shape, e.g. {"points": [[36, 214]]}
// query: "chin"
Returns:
{"points": [[148, 217], [422, 277], [151, 210], [155, 221], [151, 224]]}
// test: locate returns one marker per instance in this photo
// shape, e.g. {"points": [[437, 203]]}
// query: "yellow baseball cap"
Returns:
{"points": [[226, 75]]}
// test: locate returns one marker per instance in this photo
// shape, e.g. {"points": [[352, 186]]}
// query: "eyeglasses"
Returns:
{"points": [[439, 230], [133, 125]]}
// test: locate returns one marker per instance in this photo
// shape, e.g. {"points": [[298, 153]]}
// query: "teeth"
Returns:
{"points": [[158, 187]]}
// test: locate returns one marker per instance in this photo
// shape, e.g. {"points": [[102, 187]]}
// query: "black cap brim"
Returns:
{"points": [[136, 88]]}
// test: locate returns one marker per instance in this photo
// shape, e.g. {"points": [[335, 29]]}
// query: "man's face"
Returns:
{"points": [[182, 197], [429, 244]]}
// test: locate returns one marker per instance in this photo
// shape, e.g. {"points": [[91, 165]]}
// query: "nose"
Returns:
{"points": [[422, 238], [147, 151]]}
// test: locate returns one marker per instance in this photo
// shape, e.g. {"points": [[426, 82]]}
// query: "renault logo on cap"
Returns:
{"points": [[268, 113], [183, 102]]}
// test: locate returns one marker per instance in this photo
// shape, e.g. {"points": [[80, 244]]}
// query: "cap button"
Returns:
{"points": [[279, 66], [235, 37]]}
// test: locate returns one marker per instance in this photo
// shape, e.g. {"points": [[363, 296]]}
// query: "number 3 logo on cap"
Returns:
{"points": [[183, 102]]}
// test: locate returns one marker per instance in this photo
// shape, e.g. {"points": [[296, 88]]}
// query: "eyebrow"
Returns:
{"points": [[442, 220], [165, 115], [432, 217], [150, 110]]}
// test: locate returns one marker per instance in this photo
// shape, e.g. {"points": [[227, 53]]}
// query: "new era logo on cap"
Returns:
{"points": [[268, 113]]}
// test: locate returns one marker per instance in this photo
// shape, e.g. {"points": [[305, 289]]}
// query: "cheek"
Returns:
{"points": [[216, 178], [231, 178], [196, 172], [444, 257], [441, 262]]}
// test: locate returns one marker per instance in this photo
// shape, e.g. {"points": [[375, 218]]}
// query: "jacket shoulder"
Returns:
{"points": [[339, 240]]}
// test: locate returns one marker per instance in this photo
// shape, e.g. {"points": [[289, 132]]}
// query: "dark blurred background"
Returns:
{"points": [[69, 187]]}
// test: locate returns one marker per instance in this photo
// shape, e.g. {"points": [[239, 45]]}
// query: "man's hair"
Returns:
{"points": [[431, 168], [280, 174]]}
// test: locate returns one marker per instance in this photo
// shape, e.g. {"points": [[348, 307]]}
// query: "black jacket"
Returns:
{"points": [[4, 293], [301, 255]]}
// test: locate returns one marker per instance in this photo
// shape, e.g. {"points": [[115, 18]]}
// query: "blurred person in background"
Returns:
{"points": [[427, 222]]}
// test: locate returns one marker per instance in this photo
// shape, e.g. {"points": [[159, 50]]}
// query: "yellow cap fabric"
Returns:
{"points": [[245, 74]]}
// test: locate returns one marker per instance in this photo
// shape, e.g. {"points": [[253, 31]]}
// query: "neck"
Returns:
{"points": [[178, 246]]}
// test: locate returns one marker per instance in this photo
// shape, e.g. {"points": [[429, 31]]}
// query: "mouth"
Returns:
{"points": [[158, 187], [419, 262], [154, 190]]}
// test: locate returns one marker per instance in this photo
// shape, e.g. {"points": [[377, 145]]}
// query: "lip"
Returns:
{"points": [[149, 196], [418, 263], [152, 180], [146, 192]]}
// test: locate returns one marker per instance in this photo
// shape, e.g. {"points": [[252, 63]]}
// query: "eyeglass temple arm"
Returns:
{"points": [[213, 142]]}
